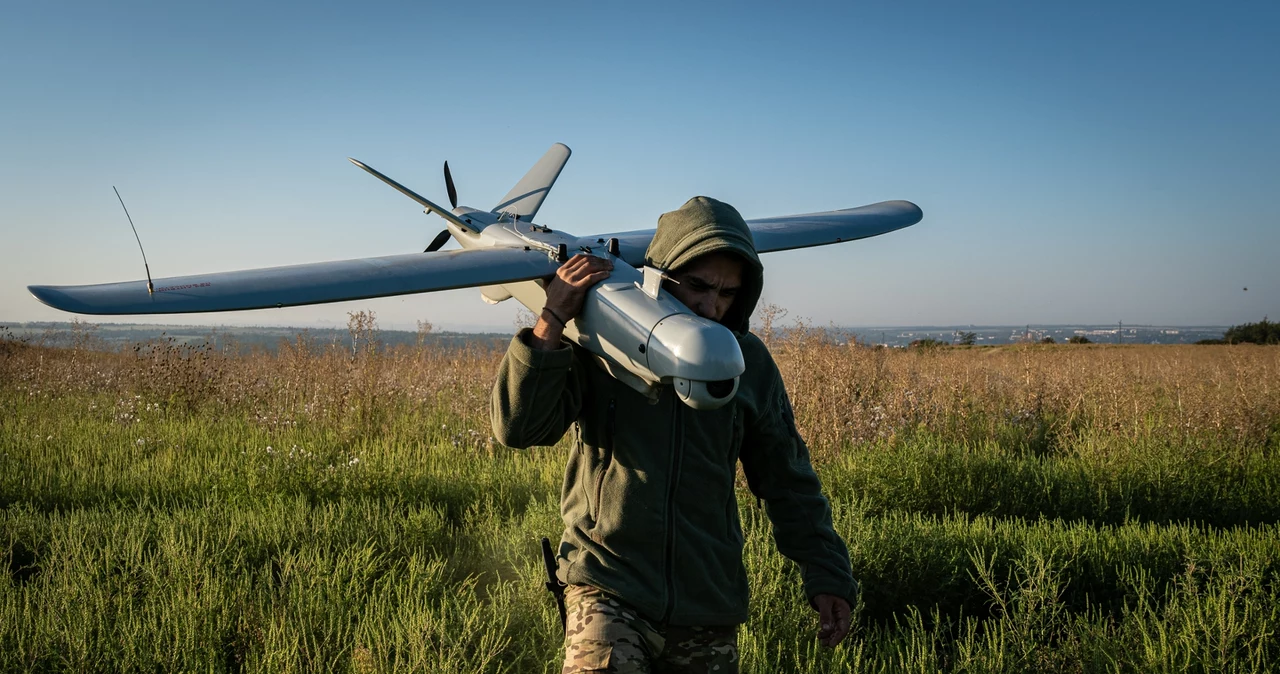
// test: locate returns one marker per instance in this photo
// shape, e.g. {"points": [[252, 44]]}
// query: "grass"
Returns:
{"points": [[1049, 508]]}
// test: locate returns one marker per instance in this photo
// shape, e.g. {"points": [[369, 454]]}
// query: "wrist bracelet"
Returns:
{"points": [[556, 316]]}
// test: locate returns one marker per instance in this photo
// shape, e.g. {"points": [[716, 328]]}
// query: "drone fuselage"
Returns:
{"points": [[641, 334]]}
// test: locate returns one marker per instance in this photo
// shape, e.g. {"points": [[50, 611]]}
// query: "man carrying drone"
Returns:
{"points": [[652, 547]]}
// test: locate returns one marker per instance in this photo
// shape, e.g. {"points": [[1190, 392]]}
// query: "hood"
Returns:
{"points": [[703, 225]]}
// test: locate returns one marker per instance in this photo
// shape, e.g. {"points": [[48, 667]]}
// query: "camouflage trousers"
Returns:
{"points": [[602, 634]]}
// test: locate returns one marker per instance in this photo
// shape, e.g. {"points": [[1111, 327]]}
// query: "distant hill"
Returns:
{"points": [[989, 335], [113, 336]]}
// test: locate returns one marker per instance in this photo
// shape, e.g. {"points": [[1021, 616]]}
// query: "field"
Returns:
{"points": [[1022, 508]]}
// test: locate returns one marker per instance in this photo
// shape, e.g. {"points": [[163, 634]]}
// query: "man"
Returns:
{"points": [[652, 546]]}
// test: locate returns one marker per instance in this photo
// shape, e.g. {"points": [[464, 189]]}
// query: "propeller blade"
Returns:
{"points": [[441, 239], [448, 183]]}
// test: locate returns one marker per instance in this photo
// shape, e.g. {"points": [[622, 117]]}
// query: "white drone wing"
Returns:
{"points": [[341, 280], [798, 231], [314, 283], [819, 229]]}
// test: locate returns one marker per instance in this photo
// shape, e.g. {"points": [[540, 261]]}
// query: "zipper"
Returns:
{"points": [[672, 484], [735, 436], [610, 421]]}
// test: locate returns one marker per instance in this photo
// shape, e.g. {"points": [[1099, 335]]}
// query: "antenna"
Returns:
{"points": [[150, 288]]}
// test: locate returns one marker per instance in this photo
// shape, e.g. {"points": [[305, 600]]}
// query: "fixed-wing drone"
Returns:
{"points": [[639, 333]]}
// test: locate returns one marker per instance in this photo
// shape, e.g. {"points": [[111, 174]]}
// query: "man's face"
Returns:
{"points": [[708, 285]]}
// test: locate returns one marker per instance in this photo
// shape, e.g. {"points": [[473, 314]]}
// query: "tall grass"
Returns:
{"points": [[317, 509]]}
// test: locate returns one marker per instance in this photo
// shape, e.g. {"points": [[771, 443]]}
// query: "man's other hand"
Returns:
{"points": [[833, 619]]}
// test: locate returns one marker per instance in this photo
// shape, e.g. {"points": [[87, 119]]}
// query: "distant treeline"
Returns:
{"points": [[1262, 332]]}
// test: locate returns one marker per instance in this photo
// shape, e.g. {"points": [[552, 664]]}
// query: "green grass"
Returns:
{"points": [[152, 529], [1214, 483]]}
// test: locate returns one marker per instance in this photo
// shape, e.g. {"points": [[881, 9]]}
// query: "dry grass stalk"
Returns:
{"points": [[843, 394]]}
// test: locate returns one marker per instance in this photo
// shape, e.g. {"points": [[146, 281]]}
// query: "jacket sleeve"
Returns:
{"points": [[776, 463], [537, 395]]}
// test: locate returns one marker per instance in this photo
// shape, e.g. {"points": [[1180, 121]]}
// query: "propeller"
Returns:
{"points": [[443, 237], [448, 183]]}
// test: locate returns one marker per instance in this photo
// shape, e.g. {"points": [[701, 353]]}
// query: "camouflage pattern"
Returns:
{"points": [[603, 634]]}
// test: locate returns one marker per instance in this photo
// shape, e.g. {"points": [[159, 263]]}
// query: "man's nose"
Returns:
{"points": [[705, 308]]}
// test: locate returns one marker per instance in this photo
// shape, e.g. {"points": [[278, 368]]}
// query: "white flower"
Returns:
{"points": [[140, 442]]}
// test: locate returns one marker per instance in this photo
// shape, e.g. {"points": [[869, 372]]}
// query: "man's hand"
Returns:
{"points": [[569, 288], [565, 294], [833, 616]]}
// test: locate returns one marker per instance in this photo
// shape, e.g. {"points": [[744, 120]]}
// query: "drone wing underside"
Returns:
{"points": [[295, 285], [798, 231]]}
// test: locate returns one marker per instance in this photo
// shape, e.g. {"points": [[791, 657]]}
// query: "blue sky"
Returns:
{"points": [[1075, 163]]}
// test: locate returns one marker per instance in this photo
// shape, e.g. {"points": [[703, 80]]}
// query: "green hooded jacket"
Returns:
{"points": [[649, 504]]}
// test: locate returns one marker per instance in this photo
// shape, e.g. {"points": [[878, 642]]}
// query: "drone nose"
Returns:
{"points": [[694, 347]]}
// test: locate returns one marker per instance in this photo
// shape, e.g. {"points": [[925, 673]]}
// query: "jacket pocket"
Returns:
{"points": [[735, 437], [606, 450]]}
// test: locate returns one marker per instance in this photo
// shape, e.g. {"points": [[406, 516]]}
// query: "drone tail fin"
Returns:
{"points": [[527, 196]]}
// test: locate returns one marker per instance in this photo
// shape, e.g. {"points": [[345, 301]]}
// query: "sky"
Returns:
{"points": [[1076, 162]]}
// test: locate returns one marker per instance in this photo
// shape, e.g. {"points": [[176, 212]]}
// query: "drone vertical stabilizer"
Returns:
{"points": [[527, 196]]}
